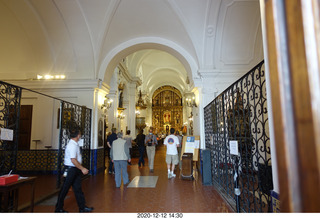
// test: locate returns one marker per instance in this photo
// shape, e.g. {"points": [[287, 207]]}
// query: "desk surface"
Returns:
{"points": [[19, 182], [6, 189]]}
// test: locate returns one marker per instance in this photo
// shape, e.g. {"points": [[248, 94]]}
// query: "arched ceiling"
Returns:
{"points": [[167, 39], [157, 68]]}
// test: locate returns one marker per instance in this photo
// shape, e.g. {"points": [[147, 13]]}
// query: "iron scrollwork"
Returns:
{"points": [[240, 113], [10, 97], [81, 116]]}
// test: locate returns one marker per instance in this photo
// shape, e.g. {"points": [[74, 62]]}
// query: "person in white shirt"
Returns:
{"points": [[129, 142], [172, 159], [151, 142], [74, 171]]}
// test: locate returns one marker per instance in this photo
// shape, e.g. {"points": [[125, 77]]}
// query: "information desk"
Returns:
{"points": [[9, 194]]}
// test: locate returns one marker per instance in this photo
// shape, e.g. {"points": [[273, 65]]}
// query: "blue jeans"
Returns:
{"points": [[121, 166], [141, 152]]}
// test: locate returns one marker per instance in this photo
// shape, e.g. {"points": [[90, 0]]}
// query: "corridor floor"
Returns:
{"points": [[169, 195]]}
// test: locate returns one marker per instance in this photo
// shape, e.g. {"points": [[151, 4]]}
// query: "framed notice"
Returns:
{"points": [[6, 134], [191, 144], [234, 148]]}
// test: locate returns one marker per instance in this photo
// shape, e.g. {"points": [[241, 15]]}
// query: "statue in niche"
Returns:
{"points": [[121, 99], [166, 117], [177, 101], [120, 88], [177, 118]]}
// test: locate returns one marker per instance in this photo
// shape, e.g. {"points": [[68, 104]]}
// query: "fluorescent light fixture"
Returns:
{"points": [[48, 77]]}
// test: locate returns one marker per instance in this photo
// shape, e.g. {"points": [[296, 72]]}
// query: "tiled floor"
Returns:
{"points": [[143, 182], [168, 195]]}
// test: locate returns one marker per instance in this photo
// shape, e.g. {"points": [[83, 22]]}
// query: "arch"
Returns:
{"points": [[113, 58], [166, 87], [174, 80]]}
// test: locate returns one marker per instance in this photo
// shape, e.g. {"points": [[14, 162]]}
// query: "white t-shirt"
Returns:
{"points": [[171, 142], [128, 139], [72, 151]]}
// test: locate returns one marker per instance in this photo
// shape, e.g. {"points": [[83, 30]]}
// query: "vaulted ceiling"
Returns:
{"points": [[164, 41]]}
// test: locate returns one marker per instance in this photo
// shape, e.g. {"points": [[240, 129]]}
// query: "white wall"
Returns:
{"points": [[45, 109]]}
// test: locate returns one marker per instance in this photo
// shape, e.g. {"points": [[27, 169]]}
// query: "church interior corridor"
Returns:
{"points": [[169, 195]]}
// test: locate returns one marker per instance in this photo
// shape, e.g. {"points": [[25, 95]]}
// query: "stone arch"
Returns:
{"points": [[121, 51]]}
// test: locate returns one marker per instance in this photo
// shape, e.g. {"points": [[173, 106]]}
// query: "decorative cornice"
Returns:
{"points": [[61, 84], [127, 75]]}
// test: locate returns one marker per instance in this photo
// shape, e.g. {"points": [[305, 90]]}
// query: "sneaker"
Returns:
{"points": [[169, 175], [60, 211], [85, 209], [173, 175]]}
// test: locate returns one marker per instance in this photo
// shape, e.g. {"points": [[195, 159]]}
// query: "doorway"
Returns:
{"points": [[25, 127]]}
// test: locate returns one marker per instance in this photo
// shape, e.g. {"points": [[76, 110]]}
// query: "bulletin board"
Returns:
{"points": [[191, 144]]}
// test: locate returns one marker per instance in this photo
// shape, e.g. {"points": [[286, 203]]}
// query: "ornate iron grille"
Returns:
{"points": [[81, 116], [240, 114], [10, 97]]}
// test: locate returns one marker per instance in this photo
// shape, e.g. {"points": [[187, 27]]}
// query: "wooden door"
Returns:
{"points": [[25, 127]]}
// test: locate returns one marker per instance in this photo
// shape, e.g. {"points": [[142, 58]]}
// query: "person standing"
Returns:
{"points": [[120, 155], [128, 139], [107, 149], [110, 140], [74, 171], [179, 148], [172, 142], [151, 142], [140, 142]]}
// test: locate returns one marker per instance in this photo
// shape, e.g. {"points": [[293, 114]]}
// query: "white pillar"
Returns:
{"points": [[112, 111], [131, 114], [199, 119], [95, 120], [270, 116]]}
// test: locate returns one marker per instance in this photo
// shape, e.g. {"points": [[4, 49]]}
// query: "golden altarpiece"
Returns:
{"points": [[167, 110]]}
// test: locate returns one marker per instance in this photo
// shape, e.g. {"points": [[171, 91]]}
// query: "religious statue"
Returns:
{"points": [[121, 99]]}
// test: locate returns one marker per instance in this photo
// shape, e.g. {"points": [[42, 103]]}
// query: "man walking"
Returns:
{"points": [[151, 142], [120, 155], [129, 141], [140, 142], [74, 171], [172, 142], [110, 140]]}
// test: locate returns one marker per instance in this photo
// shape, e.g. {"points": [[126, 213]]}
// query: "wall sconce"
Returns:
{"points": [[107, 103], [121, 116], [191, 102]]}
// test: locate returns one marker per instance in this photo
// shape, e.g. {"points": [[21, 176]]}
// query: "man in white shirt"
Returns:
{"points": [[172, 159], [129, 141], [74, 170]]}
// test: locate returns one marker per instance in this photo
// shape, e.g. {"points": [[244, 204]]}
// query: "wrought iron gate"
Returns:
{"points": [[240, 114], [81, 116], [10, 97]]}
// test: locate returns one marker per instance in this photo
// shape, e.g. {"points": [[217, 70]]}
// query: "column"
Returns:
{"points": [[131, 113]]}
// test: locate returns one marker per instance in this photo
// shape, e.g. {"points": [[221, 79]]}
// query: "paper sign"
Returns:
{"points": [[6, 134], [211, 139], [190, 145], [196, 144], [80, 142], [234, 147]]}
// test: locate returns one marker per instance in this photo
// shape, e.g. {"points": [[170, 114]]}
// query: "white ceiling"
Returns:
{"points": [[164, 40]]}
